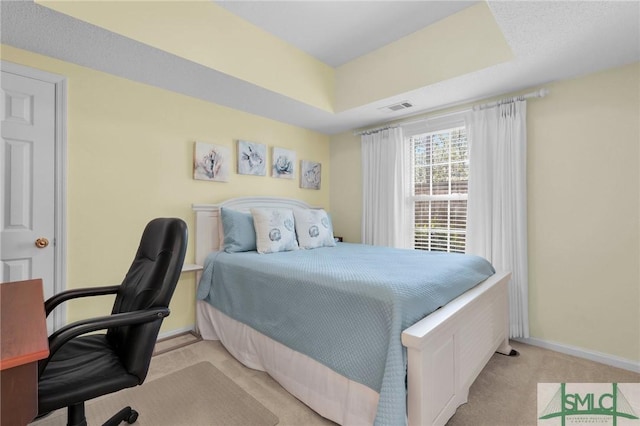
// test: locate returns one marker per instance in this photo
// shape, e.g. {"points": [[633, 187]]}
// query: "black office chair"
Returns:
{"points": [[79, 367]]}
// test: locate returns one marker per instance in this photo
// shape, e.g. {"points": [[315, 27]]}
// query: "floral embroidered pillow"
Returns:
{"points": [[275, 230], [314, 229]]}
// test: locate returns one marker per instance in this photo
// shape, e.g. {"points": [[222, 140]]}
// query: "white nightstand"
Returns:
{"points": [[191, 267], [187, 337]]}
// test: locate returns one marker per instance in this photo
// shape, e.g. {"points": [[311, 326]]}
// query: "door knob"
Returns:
{"points": [[42, 242]]}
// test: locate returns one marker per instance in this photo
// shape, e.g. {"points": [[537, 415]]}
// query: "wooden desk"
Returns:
{"points": [[23, 341]]}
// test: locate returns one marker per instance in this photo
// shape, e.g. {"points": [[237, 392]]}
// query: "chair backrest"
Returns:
{"points": [[150, 283]]}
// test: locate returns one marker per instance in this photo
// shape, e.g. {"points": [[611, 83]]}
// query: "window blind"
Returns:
{"points": [[440, 176]]}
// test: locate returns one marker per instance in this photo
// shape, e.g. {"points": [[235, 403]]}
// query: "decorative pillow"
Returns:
{"points": [[275, 230], [238, 230], [314, 229]]}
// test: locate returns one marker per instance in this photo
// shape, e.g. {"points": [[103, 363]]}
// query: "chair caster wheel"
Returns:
{"points": [[132, 417]]}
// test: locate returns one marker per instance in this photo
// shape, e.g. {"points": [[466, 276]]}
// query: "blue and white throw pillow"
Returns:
{"points": [[275, 230], [314, 229]]}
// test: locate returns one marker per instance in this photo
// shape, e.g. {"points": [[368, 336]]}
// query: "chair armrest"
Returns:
{"points": [[68, 332], [57, 299]]}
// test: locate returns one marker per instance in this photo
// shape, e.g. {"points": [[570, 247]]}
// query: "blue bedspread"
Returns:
{"points": [[344, 306]]}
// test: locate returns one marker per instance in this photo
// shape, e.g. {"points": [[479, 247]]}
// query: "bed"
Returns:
{"points": [[445, 350]]}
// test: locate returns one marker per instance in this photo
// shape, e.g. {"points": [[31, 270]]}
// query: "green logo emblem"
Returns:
{"points": [[588, 404]]}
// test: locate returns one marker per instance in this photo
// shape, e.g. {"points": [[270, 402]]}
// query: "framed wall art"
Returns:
{"points": [[211, 162], [283, 163], [310, 174], [252, 158]]}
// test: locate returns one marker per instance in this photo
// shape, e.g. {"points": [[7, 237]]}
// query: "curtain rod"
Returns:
{"points": [[376, 130], [537, 94]]}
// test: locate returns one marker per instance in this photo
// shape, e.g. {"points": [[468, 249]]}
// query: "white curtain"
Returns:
{"points": [[384, 183], [497, 204]]}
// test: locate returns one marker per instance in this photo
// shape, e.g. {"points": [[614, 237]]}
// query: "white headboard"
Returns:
{"points": [[209, 227]]}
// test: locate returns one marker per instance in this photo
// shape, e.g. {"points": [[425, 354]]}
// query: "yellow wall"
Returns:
{"points": [[346, 195], [584, 235], [464, 42], [130, 156], [583, 210], [207, 34]]}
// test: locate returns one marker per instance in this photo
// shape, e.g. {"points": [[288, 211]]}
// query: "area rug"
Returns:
{"points": [[197, 395]]}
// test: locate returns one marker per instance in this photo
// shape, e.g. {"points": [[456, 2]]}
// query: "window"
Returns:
{"points": [[439, 187]]}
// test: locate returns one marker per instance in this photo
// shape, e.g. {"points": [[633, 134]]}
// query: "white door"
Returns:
{"points": [[27, 169]]}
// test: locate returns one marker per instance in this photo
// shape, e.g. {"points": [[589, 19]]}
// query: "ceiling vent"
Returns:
{"points": [[397, 107]]}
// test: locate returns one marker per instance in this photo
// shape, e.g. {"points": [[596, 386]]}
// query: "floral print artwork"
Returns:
{"points": [[252, 158], [310, 175], [211, 162], [283, 163]]}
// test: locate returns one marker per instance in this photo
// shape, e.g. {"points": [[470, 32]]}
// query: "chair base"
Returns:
{"points": [[76, 416], [127, 414]]}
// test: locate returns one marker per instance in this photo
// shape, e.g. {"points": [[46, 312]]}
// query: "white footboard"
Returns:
{"points": [[448, 349]]}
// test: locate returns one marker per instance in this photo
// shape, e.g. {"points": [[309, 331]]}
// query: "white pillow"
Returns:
{"points": [[275, 230], [314, 229]]}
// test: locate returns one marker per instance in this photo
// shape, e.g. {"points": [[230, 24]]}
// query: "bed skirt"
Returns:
{"points": [[326, 392]]}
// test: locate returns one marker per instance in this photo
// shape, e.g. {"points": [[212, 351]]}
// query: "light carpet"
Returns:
{"points": [[505, 393], [197, 395]]}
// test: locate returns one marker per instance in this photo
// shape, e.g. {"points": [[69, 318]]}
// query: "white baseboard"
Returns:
{"points": [[600, 357], [168, 334]]}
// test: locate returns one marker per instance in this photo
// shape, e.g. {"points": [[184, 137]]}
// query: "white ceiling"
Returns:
{"points": [[551, 41], [336, 32]]}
